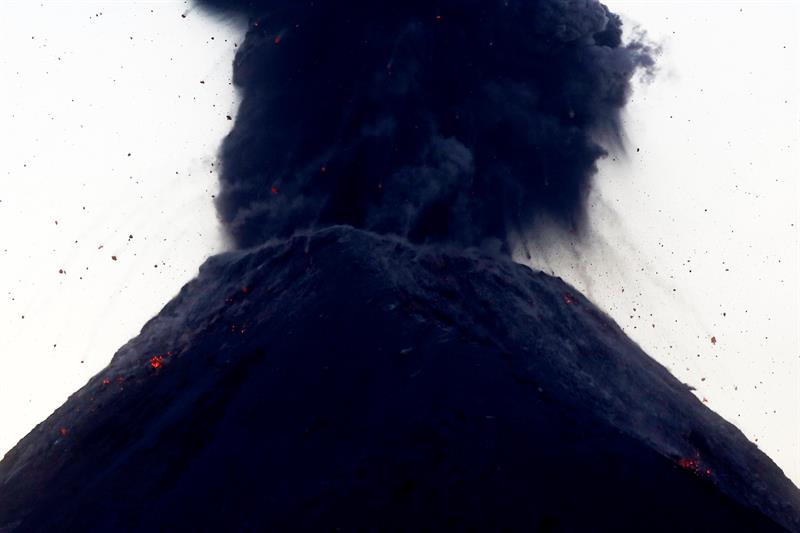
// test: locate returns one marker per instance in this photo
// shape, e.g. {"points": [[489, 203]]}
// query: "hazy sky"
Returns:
{"points": [[695, 228]]}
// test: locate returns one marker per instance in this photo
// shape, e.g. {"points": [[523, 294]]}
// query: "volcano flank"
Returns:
{"points": [[347, 381]]}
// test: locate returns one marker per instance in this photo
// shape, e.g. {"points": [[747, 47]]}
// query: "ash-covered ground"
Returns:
{"points": [[348, 381]]}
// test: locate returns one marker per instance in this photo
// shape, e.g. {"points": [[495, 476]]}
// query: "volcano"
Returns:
{"points": [[346, 381]]}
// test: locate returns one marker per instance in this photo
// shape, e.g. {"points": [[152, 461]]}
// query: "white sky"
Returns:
{"points": [[699, 226]]}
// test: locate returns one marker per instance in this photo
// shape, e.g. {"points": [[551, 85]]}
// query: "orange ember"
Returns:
{"points": [[694, 466]]}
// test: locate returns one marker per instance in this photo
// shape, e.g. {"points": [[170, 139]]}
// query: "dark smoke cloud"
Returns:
{"points": [[449, 120]]}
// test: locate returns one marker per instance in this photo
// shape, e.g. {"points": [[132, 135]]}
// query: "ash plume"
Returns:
{"points": [[452, 121]]}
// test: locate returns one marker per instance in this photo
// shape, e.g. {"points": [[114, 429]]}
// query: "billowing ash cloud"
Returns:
{"points": [[448, 120]]}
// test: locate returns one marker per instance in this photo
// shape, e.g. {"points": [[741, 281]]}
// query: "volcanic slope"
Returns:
{"points": [[345, 380]]}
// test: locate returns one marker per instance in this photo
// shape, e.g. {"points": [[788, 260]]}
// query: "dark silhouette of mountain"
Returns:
{"points": [[345, 381]]}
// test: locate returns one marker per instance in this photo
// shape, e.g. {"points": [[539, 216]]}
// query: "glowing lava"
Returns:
{"points": [[694, 466]]}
